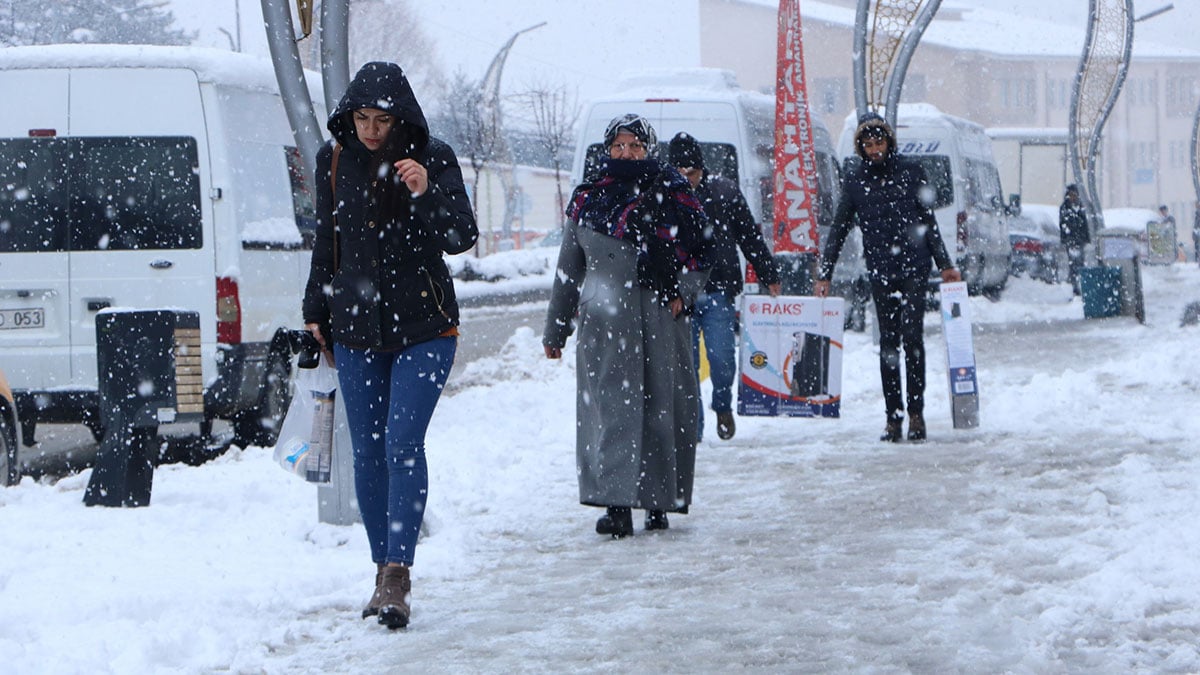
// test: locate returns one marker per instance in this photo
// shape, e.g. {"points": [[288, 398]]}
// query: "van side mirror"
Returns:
{"points": [[1014, 205]]}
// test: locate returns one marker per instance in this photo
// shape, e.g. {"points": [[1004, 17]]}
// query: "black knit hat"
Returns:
{"points": [[684, 152]]}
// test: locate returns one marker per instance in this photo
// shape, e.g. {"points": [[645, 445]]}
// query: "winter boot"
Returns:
{"points": [[916, 428], [656, 520], [394, 590], [894, 429], [372, 607], [725, 426], [616, 521]]}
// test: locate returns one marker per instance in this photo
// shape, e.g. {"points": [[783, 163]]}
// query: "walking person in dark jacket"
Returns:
{"points": [[730, 226], [889, 197], [1073, 233], [390, 203]]}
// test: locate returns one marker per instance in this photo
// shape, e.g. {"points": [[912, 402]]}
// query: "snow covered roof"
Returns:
{"points": [[210, 65], [959, 26]]}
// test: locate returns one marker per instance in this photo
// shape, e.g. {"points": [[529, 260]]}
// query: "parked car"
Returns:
{"points": [[1037, 248]]}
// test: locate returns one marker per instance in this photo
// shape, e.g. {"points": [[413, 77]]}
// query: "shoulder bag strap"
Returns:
{"points": [[337, 150]]}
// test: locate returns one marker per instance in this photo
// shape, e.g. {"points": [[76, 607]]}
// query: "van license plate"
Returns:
{"points": [[31, 317]]}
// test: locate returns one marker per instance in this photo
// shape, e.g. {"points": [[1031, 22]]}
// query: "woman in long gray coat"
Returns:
{"points": [[629, 265]]}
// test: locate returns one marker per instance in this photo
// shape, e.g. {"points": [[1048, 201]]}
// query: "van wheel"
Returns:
{"points": [[260, 425], [10, 469]]}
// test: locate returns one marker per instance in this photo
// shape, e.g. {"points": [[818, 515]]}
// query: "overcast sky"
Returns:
{"points": [[588, 43]]}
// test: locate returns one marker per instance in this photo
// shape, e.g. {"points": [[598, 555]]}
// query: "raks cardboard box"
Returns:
{"points": [[791, 356]]}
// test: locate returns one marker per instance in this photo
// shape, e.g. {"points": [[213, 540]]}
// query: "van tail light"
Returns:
{"points": [[963, 238], [1028, 246], [229, 311]]}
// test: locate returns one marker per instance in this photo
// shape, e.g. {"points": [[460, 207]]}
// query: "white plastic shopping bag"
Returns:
{"points": [[305, 446]]}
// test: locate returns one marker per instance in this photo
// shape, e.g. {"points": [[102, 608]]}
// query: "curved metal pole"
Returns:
{"points": [[293, 88], [900, 69], [1109, 104], [335, 50], [1195, 158], [860, 57]]}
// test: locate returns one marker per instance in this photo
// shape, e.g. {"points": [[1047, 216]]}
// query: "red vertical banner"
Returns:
{"points": [[795, 160]]}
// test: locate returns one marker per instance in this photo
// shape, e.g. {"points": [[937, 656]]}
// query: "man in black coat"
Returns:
{"points": [[1073, 233], [889, 197], [730, 226]]}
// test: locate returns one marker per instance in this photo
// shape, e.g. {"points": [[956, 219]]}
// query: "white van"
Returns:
{"points": [[148, 177], [736, 131], [970, 209]]}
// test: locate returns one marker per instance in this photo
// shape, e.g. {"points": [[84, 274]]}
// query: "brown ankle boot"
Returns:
{"points": [[372, 607], [394, 590], [895, 426], [916, 428]]}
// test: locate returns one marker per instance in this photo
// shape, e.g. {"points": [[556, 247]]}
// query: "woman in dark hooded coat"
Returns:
{"points": [[629, 265], [390, 203]]}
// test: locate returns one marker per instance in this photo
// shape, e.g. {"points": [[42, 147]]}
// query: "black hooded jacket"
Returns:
{"points": [[384, 284], [731, 226], [899, 232]]}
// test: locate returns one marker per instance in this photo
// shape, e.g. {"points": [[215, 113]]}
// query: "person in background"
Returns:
{"points": [[390, 203], [1073, 232], [1164, 215], [730, 226], [1196, 234], [888, 196], [630, 265]]}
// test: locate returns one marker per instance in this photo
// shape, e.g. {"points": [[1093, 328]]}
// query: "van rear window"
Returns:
{"points": [[719, 158], [99, 193], [937, 172]]}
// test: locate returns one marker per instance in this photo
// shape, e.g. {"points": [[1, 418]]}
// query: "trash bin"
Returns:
{"points": [[1124, 251], [148, 362], [1101, 289]]}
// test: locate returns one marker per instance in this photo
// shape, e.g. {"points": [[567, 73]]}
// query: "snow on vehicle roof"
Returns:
{"points": [[690, 83], [1131, 220], [211, 65]]}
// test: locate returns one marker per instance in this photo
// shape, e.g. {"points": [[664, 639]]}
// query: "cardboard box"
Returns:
{"points": [[960, 355], [790, 356]]}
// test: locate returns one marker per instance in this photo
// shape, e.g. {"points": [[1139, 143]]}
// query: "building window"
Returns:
{"points": [[1058, 94], [1018, 94]]}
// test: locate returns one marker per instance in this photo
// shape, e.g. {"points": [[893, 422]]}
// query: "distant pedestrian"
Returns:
{"points": [[1073, 232], [390, 203], [1196, 234], [884, 195], [730, 226], [630, 265], [1164, 215]]}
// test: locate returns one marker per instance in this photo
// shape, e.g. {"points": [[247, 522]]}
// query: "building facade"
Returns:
{"points": [[1010, 74]]}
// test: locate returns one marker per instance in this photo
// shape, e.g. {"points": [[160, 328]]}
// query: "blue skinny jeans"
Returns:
{"points": [[714, 315], [390, 397]]}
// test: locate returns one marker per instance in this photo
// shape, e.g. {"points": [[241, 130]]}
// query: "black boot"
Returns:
{"points": [[656, 520], [894, 429], [616, 521], [916, 428]]}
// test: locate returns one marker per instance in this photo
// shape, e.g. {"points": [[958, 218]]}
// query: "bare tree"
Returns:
{"points": [[388, 30], [553, 112], [37, 22], [468, 127]]}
